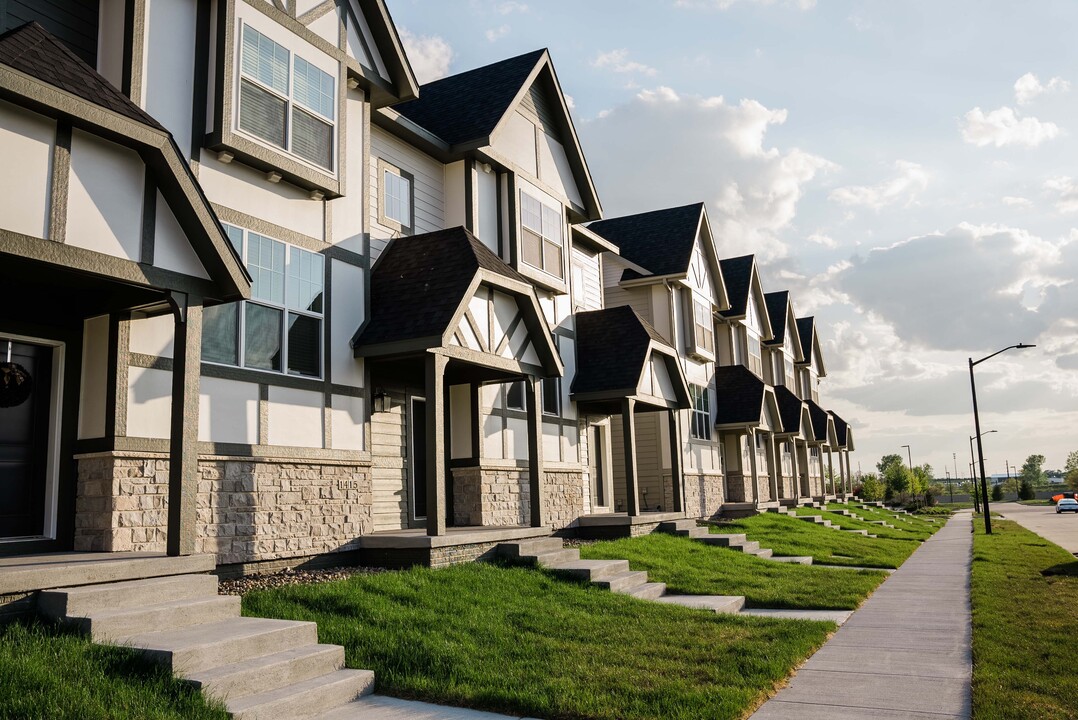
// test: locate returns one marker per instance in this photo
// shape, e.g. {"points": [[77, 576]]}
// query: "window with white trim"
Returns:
{"points": [[280, 329], [755, 360], [789, 363], [703, 328], [285, 100], [396, 197], [541, 235], [700, 426], [551, 391]]}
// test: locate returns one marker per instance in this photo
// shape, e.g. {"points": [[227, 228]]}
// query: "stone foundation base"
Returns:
{"points": [[493, 496], [703, 495]]}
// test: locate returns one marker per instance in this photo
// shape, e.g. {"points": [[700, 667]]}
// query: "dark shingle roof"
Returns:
{"points": [[777, 303], [737, 275], [789, 409], [30, 49], [819, 420], [419, 282], [741, 396], [841, 426], [806, 326], [467, 106], [661, 241], [611, 349]]}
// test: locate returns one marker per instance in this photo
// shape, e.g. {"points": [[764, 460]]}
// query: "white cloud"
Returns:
{"points": [[1019, 202], [510, 6], [1066, 193], [819, 238], [619, 62], [495, 34], [429, 55], [727, 4], [910, 180], [1003, 127], [1028, 87], [707, 149], [570, 101]]}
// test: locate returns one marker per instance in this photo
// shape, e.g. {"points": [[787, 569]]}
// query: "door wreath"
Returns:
{"points": [[15, 382]]}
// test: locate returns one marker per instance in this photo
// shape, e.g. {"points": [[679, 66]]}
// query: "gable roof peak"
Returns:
{"points": [[660, 241]]}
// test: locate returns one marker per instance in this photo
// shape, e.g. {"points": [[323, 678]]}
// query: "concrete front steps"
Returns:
{"points": [[260, 668], [688, 528]]}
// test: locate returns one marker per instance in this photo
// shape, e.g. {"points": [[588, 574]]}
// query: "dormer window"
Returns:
{"points": [[285, 100], [541, 232]]}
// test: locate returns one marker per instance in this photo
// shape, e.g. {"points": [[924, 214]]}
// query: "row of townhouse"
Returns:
{"points": [[276, 301]]}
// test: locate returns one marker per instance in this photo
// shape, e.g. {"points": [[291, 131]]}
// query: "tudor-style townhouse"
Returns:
{"points": [[277, 301]]}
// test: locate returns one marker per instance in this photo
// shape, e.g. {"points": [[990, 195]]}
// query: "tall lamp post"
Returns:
{"points": [[909, 455], [973, 467], [977, 427]]}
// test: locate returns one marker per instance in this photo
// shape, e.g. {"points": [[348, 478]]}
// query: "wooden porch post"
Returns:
{"points": [[795, 468], [535, 450], [436, 470], [774, 474], [183, 430], [751, 438], [830, 472], [677, 478], [632, 482]]}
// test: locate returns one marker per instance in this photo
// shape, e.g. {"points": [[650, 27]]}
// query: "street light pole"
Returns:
{"points": [[977, 428], [973, 471]]}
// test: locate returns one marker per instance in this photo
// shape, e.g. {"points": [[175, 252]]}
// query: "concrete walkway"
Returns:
{"points": [[905, 653]]}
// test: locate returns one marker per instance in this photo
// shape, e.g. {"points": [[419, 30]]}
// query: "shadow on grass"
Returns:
{"points": [[1069, 569]]}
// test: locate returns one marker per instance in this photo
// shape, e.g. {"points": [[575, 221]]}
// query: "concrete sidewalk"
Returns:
{"points": [[905, 653]]}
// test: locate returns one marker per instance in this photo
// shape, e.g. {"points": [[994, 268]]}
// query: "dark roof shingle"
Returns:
{"points": [[611, 348], [467, 106], [777, 303], [661, 241], [737, 275], [789, 409], [419, 282], [741, 396], [819, 420], [30, 49], [841, 428], [806, 327]]}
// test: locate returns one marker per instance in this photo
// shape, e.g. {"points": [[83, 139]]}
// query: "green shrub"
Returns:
{"points": [[1025, 492], [997, 493]]}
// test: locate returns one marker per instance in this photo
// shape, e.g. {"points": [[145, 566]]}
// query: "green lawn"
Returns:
{"points": [[693, 568], [787, 536], [46, 672], [901, 531], [911, 523], [1025, 612], [521, 641]]}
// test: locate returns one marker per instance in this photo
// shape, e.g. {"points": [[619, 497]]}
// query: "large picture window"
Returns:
{"points": [[285, 100], [541, 243], [700, 428], [280, 328]]}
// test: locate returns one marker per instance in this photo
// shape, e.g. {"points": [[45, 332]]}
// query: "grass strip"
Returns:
{"points": [[1025, 611], [789, 536], [910, 523], [47, 672], [693, 568], [899, 532], [521, 641]]}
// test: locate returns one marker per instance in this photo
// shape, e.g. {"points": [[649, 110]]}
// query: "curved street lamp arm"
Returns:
{"points": [[1019, 346]]}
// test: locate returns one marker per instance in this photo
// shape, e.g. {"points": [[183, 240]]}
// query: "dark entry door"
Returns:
{"points": [[24, 446], [418, 448]]}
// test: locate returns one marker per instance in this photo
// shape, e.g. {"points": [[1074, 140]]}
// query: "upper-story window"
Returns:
{"points": [[703, 327], [280, 328], [396, 198], [755, 360], [541, 232], [285, 100], [551, 390], [700, 427], [789, 363]]}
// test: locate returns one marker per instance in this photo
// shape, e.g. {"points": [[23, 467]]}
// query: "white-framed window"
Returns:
{"points": [[789, 366], [396, 197], [551, 391], [280, 329], [754, 361], [700, 427], [703, 328], [787, 459], [285, 100], [541, 235]]}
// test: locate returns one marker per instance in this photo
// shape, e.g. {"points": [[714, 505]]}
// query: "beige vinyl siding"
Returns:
{"points": [[428, 214], [648, 459], [389, 470], [588, 265], [638, 298]]}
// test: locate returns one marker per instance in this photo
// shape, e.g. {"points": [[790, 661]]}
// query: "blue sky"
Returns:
{"points": [[907, 169]]}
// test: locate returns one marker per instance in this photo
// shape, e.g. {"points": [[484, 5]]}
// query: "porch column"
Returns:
{"points": [[535, 450], [435, 389], [183, 430], [830, 472], [795, 468], [751, 439], [775, 469], [632, 482], [847, 486], [677, 479]]}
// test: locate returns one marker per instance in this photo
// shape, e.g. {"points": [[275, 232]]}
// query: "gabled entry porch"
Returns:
{"points": [[748, 421]]}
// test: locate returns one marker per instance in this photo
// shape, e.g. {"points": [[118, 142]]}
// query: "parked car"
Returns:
{"points": [[1067, 505]]}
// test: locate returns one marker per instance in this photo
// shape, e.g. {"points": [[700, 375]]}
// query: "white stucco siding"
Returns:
{"points": [[365, 51], [104, 211], [456, 177], [348, 302], [149, 402], [516, 141], [348, 210], [460, 419], [171, 248], [327, 27], [700, 278], [428, 213], [152, 336], [26, 143], [295, 417], [554, 168], [94, 377], [567, 351], [168, 83], [227, 411], [247, 190], [487, 199], [348, 417]]}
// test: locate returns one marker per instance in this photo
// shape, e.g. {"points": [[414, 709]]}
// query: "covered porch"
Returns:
{"points": [[748, 421]]}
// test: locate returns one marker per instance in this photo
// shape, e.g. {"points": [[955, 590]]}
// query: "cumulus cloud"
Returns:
{"points": [[495, 34], [1019, 202], [1028, 87], [1066, 192], [727, 4], [429, 55], [819, 238], [618, 61], [909, 181], [1003, 127], [709, 150], [507, 7]]}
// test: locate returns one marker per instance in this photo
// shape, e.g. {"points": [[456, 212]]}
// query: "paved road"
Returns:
{"points": [[891, 659], [1062, 529]]}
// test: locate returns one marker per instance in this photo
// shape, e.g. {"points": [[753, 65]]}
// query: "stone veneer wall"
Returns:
{"points": [[703, 495], [248, 509], [501, 496], [739, 487]]}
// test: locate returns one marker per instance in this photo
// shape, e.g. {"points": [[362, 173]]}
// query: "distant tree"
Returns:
{"points": [[1033, 470], [1026, 492], [887, 461], [1070, 471], [872, 487], [997, 493]]}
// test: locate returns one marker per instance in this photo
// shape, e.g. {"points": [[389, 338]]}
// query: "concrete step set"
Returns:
{"points": [[819, 520], [260, 668]]}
